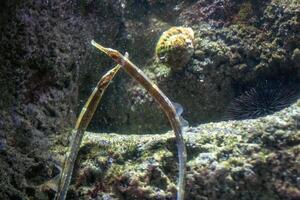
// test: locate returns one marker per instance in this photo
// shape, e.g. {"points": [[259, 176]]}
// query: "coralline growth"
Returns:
{"points": [[175, 47]]}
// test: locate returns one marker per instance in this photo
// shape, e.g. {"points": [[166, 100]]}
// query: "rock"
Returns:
{"points": [[41, 49], [226, 160], [48, 69], [236, 45]]}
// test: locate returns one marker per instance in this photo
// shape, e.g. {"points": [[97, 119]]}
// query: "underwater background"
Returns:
{"points": [[233, 66]]}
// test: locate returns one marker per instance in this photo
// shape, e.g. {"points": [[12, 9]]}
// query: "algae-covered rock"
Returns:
{"points": [[46, 56], [41, 49], [237, 44], [250, 159]]}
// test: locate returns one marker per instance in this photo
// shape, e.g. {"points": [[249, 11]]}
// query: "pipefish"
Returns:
{"points": [[163, 101], [82, 123]]}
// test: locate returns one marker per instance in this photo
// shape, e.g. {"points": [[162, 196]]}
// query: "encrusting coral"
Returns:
{"points": [[175, 47]]}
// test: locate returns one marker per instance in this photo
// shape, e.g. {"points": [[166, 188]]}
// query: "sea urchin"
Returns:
{"points": [[265, 98]]}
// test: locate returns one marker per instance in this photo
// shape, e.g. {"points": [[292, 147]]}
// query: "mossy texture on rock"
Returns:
{"points": [[250, 159], [43, 44], [41, 49], [236, 43]]}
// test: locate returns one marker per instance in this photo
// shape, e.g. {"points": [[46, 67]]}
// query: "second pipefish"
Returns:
{"points": [[164, 103]]}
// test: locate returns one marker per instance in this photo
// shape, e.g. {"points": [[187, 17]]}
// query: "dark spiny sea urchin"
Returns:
{"points": [[265, 98]]}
